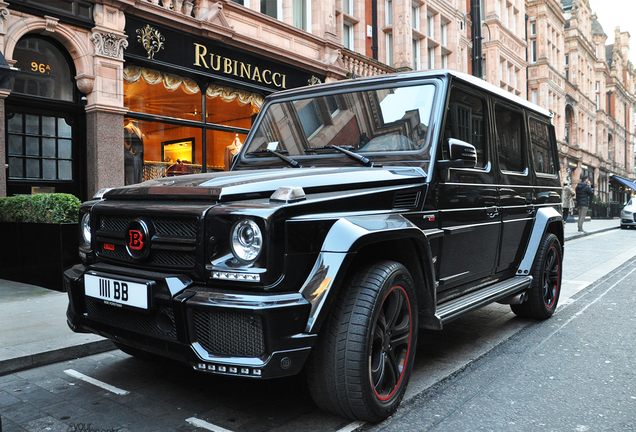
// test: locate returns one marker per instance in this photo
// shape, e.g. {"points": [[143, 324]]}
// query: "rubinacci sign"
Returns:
{"points": [[236, 68], [154, 46]]}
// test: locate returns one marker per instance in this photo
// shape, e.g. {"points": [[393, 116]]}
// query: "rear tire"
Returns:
{"points": [[362, 361], [545, 289]]}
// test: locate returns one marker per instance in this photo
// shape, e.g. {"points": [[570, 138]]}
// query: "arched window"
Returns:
{"points": [[44, 70]]}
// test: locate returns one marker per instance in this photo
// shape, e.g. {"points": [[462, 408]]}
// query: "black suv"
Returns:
{"points": [[356, 213]]}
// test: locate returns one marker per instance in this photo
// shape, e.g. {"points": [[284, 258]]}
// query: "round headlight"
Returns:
{"points": [[86, 228], [247, 241]]}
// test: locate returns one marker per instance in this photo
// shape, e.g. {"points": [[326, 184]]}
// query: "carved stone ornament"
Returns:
{"points": [[109, 45], [313, 80], [151, 39], [85, 83]]}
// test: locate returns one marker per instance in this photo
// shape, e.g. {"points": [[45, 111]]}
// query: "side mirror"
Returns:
{"points": [[462, 155]]}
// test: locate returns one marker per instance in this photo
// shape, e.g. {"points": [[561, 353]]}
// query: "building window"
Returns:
{"points": [[533, 51], [415, 16], [444, 32], [502, 65], [431, 58], [445, 61], [416, 54], [533, 29], [534, 96], [567, 60], [347, 7], [389, 49], [273, 8], [302, 14], [347, 35], [430, 26], [388, 12]]}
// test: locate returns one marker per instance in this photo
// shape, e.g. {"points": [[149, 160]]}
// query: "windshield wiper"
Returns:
{"points": [[358, 157], [293, 163]]}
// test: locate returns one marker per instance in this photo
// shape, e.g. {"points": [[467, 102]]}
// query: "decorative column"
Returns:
{"points": [[105, 101], [402, 35]]}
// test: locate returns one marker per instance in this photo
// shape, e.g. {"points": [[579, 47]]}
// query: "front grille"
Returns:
{"points": [[229, 333], [175, 233], [148, 323]]}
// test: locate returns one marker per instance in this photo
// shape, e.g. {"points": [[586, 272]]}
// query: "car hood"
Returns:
{"points": [[234, 185]]}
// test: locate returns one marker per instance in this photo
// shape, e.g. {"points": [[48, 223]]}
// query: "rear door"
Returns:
{"points": [[516, 183]]}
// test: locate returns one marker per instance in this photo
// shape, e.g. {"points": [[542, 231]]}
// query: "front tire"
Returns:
{"points": [[545, 289], [362, 361]]}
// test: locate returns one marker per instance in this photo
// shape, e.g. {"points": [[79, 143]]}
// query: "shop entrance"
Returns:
{"points": [[44, 122]]}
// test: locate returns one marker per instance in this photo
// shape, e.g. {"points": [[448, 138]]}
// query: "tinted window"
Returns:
{"points": [[541, 147], [466, 121], [510, 142]]}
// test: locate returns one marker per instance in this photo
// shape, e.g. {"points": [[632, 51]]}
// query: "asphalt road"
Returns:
{"points": [[488, 370], [575, 372]]}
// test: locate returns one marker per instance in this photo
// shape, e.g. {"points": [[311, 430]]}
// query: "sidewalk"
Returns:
{"points": [[33, 329]]}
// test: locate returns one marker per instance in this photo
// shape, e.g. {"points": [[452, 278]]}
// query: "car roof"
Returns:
{"points": [[449, 75]]}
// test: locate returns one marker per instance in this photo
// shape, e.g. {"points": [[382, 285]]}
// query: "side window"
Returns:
{"points": [[466, 121], [511, 144], [540, 140]]}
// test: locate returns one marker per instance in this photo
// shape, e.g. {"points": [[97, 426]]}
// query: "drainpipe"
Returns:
{"points": [[374, 19], [475, 16]]}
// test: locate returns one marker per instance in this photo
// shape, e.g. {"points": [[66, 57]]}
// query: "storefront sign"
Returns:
{"points": [[210, 58]]}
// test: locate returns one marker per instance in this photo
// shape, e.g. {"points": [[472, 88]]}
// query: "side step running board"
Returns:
{"points": [[454, 308]]}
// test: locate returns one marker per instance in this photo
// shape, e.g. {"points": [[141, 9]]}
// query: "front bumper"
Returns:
{"points": [[213, 330], [627, 219]]}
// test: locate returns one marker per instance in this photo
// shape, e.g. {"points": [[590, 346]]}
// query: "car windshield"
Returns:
{"points": [[381, 120]]}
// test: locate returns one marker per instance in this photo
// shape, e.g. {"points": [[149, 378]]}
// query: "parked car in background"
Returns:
{"points": [[356, 213], [627, 214]]}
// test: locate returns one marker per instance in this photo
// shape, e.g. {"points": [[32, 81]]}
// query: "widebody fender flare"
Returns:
{"points": [[347, 236], [546, 216]]}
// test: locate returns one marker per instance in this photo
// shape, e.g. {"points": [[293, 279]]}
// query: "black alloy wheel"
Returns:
{"points": [[545, 289], [362, 361]]}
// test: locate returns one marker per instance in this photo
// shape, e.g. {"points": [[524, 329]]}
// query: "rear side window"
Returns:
{"points": [[511, 144], [466, 121], [542, 153]]}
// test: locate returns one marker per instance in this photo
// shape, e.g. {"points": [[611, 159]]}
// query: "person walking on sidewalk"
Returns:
{"points": [[584, 194], [567, 200]]}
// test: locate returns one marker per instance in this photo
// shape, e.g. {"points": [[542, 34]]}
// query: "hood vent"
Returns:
{"points": [[406, 200]]}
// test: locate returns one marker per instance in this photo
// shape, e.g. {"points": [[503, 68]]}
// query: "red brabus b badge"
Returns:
{"points": [[138, 237]]}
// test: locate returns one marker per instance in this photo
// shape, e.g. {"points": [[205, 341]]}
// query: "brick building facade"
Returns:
{"points": [[133, 86]]}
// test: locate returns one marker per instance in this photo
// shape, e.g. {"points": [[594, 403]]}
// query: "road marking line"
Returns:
{"points": [[203, 424], [81, 376], [351, 427]]}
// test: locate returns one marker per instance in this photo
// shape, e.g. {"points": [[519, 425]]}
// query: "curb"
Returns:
{"points": [[576, 236], [54, 356]]}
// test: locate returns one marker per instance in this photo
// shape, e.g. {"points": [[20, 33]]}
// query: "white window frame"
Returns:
{"points": [[415, 12], [533, 51], [347, 7], [417, 54], [389, 49], [444, 33], [430, 26], [534, 96], [444, 61], [430, 60], [347, 29], [307, 13], [388, 12]]}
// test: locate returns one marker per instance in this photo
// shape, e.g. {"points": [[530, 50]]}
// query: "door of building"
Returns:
{"points": [[44, 121]]}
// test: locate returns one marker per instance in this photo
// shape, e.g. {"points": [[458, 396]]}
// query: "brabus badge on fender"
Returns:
{"points": [[138, 237]]}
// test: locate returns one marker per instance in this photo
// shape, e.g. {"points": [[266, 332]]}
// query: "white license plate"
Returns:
{"points": [[116, 291]]}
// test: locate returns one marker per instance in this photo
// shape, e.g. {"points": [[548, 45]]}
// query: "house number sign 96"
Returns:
{"points": [[40, 67]]}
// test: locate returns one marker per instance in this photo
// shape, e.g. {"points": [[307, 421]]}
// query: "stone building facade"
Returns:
{"points": [[102, 93]]}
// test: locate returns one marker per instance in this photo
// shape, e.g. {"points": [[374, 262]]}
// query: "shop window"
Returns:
{"points": [[43, 71], [227, 106], [153, 92], [168, 145]]}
